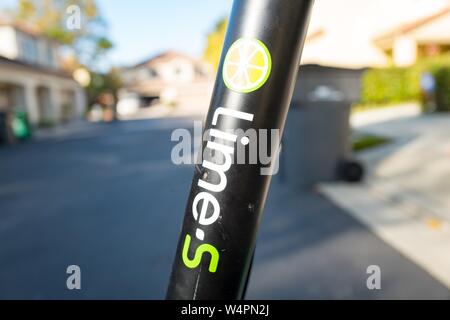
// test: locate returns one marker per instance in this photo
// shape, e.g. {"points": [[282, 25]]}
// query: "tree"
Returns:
{"points": [[214, 43], [109, 82], [87, 40]]}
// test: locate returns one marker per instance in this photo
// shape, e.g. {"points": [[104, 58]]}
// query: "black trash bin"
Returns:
{"points": [[316, 142], [6, 134]]}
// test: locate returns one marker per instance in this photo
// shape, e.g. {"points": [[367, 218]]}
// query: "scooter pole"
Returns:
{"points": [[253, 90]]}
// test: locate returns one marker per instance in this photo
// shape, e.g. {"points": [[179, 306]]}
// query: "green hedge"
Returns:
{"points": [[396, 85], [442, 77], [390, 85]]}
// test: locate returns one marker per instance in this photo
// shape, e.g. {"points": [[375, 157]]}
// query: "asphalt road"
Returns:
{"points": [[109, 200]]}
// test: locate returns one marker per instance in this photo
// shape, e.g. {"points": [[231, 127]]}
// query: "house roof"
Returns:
{"points": [[163, 58], [316, 34], [33, 68], [25, 28], [410, 26]]}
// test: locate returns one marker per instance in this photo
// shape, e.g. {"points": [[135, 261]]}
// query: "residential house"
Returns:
{"points": [[170, 78], [31, 79], [423, 37], [357, 33]]}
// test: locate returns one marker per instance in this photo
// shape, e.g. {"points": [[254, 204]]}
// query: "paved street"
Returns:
{"points": [[109, 200]]}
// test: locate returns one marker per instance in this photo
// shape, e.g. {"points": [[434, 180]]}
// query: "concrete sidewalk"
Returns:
{"points": [[77, 128], [404, 199], [383, 114]]}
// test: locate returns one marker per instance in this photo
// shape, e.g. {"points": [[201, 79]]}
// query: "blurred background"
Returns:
{"points": [[91, 91]]}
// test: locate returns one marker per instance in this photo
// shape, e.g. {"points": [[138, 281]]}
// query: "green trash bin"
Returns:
{"points": [[20, 125]]}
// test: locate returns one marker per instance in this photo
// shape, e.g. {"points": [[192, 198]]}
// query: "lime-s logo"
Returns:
{"points": [[205, 206], [247, 65], [194, 263]]}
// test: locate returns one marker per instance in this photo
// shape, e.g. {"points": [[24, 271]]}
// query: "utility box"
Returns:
{"points": [[316, 141]]}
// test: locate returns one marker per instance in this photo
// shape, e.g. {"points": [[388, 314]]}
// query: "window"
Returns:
{"points": [[28, 48], [432, 49], [152, 73], [49, 59]]}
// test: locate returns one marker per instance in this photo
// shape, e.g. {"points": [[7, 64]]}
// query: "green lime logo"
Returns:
{"points": [[247, 65], [204, 248]]}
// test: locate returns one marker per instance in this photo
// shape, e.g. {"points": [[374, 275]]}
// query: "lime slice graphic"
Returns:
{"points": [[247, 65]]}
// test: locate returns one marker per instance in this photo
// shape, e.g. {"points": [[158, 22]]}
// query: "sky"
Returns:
{"points": [[142, 28]]}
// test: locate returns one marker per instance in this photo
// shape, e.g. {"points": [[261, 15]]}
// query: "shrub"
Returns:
{"points": [[395, 85], [390, 85], [363, 142], [442, 78]]}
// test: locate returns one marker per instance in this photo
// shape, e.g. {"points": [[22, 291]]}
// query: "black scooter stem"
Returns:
{"points": [[253, 89]]}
